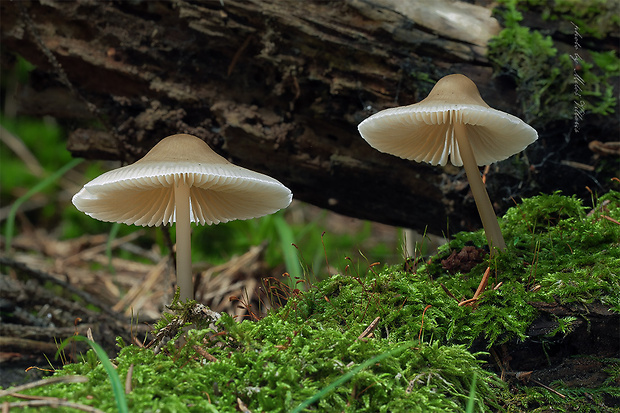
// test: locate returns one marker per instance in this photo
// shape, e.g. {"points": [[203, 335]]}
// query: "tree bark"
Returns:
{"points": [[279, 86]]}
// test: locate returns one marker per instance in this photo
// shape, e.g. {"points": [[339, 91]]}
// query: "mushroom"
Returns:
{"points": [[181, 180], [453, 122]]}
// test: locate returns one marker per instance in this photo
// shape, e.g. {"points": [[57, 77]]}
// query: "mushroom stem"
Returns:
{"points": [[483, 203], [184, 247]]}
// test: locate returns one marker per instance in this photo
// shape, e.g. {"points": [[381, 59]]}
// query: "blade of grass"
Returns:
{"points": [[472, 395], [286, 241], [117, 388], [10, 221], [108, 246], [348, 376]]}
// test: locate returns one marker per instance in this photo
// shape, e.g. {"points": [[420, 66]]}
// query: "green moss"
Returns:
{"points": [[596, 18], [557, 252], [281, 365], [551, 85], [573, 257]]}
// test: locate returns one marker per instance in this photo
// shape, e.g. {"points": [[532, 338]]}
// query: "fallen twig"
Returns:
{"points": [[448, 292], [56, 403], [481, 287], [128, 379], [43, 382], [369, 329]]}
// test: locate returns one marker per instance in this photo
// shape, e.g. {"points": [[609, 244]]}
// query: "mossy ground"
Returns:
{"points": [[558, 252]]}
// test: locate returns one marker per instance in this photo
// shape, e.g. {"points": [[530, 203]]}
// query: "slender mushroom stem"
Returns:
{"points": [[483, 203], [184, 247]]}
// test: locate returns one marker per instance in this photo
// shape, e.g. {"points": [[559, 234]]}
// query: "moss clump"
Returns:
{"points": [[573, 256], [550, 84], [417, 358], [276, 364], [596, 18], [552, 244]]}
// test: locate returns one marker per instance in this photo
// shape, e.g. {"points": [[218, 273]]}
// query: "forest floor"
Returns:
{"points": [[544, 336]]}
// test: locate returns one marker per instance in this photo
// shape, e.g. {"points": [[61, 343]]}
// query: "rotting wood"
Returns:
{"points": [[24, 345], [280, 88]]}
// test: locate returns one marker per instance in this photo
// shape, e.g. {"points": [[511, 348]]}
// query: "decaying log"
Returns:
{"points": [[279, 86], [574, 353]]}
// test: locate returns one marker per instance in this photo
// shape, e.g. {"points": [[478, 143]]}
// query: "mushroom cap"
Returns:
{"points": [[143, 193], [424, 131]]}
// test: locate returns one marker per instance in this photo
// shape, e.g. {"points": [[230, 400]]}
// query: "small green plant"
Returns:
{"points": [[472, 396], [596, 18], [547, 81], [10, 224], [117, 389], [182, 315]]}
